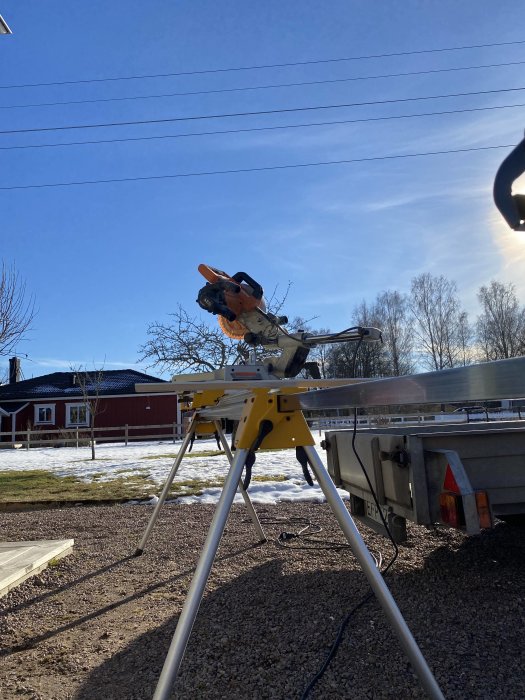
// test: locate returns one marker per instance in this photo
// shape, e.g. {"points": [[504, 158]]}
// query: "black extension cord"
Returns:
{"points": [[339, 636]]}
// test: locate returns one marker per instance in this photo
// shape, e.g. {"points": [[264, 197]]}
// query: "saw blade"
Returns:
{"points": [[233, 329]]}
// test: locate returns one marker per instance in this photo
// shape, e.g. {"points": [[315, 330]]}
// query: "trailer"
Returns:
{"points": [[462, 476]]}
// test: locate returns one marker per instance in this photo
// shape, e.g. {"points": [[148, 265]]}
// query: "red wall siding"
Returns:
{"points": [[139, 410]]}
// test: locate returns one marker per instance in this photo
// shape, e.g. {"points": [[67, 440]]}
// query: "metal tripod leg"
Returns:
{"points": [[167, 485], [196, 590], [247, 500], [374, 577]]}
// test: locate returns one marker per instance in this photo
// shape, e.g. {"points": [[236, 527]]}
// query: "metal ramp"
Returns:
{"points": [[20, 560]]}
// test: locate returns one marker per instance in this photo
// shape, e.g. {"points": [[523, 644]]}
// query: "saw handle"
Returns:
{"points": [[213, 275], [257, 290]]}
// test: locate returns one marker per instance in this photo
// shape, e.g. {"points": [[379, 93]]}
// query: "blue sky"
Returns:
{"points": [[105, 260]]}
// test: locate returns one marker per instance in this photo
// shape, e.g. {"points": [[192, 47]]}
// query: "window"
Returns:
{"points": [[77, 414], [45, 413]]}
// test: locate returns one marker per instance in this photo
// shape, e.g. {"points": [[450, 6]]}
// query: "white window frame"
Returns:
{"points": [[69, 423], [38, 406]]}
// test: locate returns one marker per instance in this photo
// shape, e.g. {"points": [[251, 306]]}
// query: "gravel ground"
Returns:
{"points": [[98, 624]]}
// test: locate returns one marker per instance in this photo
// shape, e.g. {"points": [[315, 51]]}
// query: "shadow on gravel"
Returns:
{"points": [[262, 636], [35, 640], [109, 568], [501, 549], [265, 634]]}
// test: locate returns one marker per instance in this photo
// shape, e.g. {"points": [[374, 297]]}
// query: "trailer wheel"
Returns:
{"points": [[517, 520]]}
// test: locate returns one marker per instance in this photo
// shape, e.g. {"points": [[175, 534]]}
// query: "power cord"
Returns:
{"points": [[339, 636]]}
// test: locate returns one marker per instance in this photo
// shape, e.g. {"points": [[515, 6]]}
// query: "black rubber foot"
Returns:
{"points": [[138, 552]]}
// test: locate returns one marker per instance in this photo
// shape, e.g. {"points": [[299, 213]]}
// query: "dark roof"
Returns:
{"points": [[65, 385]]}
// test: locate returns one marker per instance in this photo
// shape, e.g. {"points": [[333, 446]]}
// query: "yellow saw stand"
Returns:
{"points": [[271, 418]]}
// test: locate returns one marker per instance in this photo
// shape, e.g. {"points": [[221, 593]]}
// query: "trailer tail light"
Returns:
{"points": [[451, 509], [482, 504], [450, 483]]}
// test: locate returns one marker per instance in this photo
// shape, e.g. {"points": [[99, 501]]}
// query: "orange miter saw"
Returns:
{"points": [[238, 302]]}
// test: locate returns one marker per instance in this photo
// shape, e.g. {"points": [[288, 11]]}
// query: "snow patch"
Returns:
{"points": [[156, 459]]}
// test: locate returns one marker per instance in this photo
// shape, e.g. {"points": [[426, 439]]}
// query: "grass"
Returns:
{"points": [[56, 561], [193, 487], [41, 486], [204, 453], [269, 477]]}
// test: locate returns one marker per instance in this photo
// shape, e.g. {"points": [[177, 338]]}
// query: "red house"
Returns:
{"points": [[59, 404]]}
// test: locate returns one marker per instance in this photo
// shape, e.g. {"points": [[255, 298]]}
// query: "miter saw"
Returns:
{"points": [[239, 304]]}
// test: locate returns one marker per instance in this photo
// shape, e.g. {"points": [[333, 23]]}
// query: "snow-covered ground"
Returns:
{"points": [[155, 459]]}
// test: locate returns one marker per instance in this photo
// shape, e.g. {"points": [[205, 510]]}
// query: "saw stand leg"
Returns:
{"points": [[173, 472], [247, 500], [191, 606], [193, 599]]}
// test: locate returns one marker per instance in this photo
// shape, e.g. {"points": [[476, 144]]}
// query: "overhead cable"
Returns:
{"points": [[266, 168], [257, 113], [190, 134], [273, 86], [269, 65]]}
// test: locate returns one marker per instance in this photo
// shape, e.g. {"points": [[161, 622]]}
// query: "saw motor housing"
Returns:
{"points": [[230, 298]]}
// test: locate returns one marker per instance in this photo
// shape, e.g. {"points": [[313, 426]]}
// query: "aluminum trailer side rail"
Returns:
{"points": [[489, 381]]}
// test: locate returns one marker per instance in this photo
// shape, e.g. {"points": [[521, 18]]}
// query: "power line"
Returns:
{"points": [[270, 65], [273, 86], [254, 170], [258, 128], [257, 113]]}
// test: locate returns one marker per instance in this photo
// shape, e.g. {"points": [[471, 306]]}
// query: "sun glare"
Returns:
{"points": [[511, 247]]}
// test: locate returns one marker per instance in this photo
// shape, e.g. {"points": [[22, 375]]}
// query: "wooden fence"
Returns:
{"points": [[81, 436], [175, 431]]}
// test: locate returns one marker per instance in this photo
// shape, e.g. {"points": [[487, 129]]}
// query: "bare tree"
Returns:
{"points": [[16, 312], [341, 360], [501, 326], [392, 317], [90, 385], [188, 344], [359, 359], [372, 359], [320, 354], [465, 338], [436, 311], [392, 357]]}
